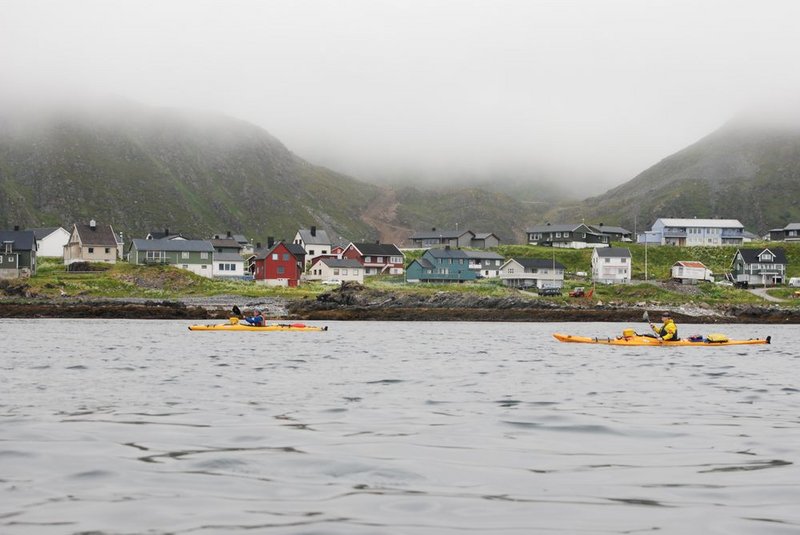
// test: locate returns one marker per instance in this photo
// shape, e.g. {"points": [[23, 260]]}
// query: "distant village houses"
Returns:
{"points": [[759, 267]]}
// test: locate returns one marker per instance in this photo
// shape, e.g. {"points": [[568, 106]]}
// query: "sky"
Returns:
{"points": [[589, 91]]}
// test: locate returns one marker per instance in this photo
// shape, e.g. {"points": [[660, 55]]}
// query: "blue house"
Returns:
{"points": [[441, 265]]}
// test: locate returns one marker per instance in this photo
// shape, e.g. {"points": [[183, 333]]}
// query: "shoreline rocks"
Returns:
{"points": [[354, 302]]}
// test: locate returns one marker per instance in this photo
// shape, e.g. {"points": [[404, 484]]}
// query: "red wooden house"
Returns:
{"points": [[278, 266], [377, 258]]}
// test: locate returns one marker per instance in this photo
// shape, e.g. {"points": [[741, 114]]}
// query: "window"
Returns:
{"points": [[336, 271], [204, 256], [203, 266], [311, 252], [275, 256], [185, 266], [91, 250], [222, 267], [624, 260], [185, 254], [286, 257], [344, 271], [367, 259], [607, 260], [108, 250], [281, 270]]}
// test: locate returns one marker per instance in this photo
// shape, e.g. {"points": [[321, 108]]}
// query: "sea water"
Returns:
{"points": [[123, 427]]}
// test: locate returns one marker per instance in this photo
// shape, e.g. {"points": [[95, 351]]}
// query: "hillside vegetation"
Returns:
{"points": [[747, 170]]}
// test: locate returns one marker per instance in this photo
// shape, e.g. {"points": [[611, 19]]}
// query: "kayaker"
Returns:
{"points": [[256, 319], [668, 331]]}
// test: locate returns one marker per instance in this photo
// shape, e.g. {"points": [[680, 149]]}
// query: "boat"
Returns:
{"points": [[642, 340], [270, 327]]}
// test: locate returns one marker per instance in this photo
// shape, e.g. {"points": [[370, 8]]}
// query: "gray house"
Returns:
{"points": [[17, 254], [454, 239], [568, 236], [759, 266], [790, 232]]}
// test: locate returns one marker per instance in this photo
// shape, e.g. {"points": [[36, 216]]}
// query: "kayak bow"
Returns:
{"points": [[639, 340]]}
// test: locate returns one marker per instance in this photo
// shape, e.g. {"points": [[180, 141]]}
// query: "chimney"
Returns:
{"points": [[270, 242], [229, 233], [313, 231], [258, 245], [93, 224]]}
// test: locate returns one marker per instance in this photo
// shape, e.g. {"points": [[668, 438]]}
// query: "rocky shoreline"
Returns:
{"points": [[354, 302]]}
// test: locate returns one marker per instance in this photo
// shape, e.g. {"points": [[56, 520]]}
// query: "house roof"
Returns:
{"points": [[42, 233], [792, 226], [445, 234], [198, 246], [319, 238], [294, 248], [610, 229], [23, 240], [100, 235], [712, 223], [240, 238], [690, 264], [750, 256], [424, 262], [377, 249], [225, 242], [565, 227], [485, 235], [340, 262], [228, 257], [613, 252], [447, 253], [538, 263], [484, 255]]}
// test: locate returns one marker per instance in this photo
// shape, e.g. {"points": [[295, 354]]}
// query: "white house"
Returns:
{"points": [[694, 232], [532, 273], [50, 241], [329, 269], [691, 272], [228, 265], [611, 265], [314, 241]]}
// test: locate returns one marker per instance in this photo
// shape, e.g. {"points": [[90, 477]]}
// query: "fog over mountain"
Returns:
{"points": [[578, 92]]}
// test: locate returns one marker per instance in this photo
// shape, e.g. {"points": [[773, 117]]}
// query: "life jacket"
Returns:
{"points": [[665, 330]]}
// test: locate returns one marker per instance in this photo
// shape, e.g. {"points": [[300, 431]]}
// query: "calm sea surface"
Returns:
{"points": [[128, 427]]}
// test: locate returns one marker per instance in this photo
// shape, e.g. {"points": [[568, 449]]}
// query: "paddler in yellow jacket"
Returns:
{"points": [[668, 331]]}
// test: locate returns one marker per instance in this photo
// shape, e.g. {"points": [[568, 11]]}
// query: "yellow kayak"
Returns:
{"points": [[271, 327], [639, 340]]}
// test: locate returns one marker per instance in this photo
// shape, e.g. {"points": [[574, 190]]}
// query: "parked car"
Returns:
{"points": [[580, 291], [336, 282], [550, 290]]}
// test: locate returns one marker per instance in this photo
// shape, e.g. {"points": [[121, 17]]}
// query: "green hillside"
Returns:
{"points": [[745, 170], [143, 169]]}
